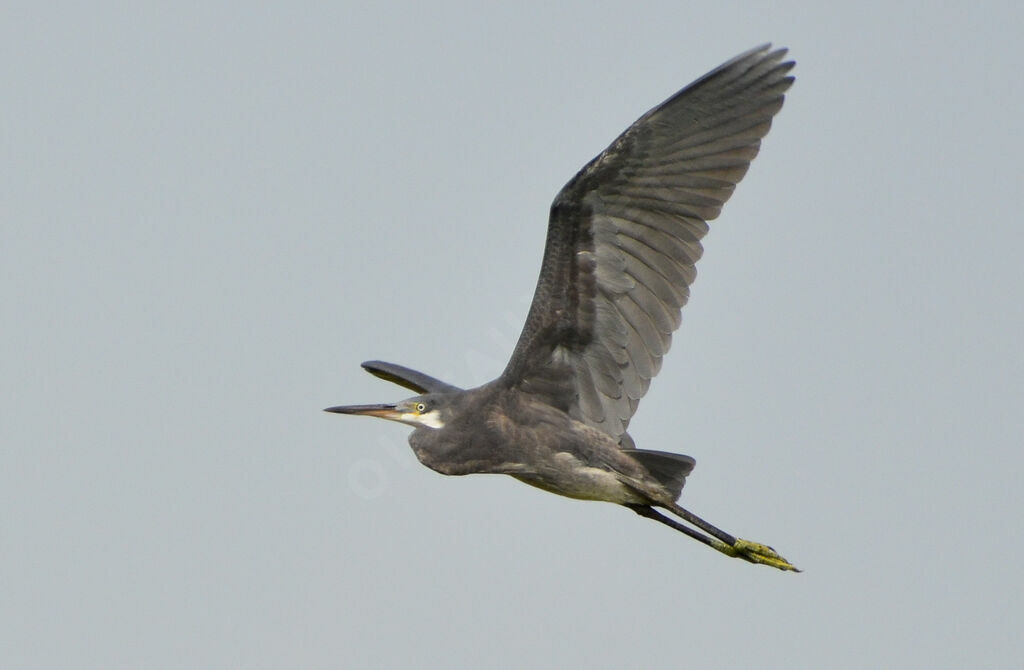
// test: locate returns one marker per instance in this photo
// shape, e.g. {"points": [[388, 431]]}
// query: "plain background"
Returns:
{"points": [[213, 212]]}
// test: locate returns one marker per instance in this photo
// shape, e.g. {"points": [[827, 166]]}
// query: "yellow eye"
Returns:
{"points": [[420, 407]]}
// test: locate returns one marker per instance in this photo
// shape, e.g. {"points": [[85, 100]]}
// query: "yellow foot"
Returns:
{"points": [[755, 553]]}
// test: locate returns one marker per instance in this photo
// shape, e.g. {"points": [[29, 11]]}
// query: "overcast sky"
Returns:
{"points": [[213, 212]]}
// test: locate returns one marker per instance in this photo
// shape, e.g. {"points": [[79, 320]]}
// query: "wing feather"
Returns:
{"points": [[624, 237]]}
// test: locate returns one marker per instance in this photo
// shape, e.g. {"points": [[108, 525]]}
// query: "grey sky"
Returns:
{"points": [[213, 213]]}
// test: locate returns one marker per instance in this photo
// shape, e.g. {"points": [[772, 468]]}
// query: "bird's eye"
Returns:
{"points": [[420, 407]]}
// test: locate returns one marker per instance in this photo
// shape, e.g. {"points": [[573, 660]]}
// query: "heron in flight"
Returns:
{"points": [[623, 237]]}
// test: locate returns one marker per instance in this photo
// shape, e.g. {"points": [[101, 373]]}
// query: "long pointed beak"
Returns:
{"points": [[381, 411]]}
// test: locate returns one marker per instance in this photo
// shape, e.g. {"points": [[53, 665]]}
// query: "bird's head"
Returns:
{"points": [[423, 410]]}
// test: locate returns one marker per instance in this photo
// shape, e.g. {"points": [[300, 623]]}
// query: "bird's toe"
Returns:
{"points": [[755, 552]]}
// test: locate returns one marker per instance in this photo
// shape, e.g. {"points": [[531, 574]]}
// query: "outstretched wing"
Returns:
{"points": [[624, 236], [407, 377]]}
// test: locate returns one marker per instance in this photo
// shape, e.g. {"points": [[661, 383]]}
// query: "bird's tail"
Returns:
{"points": [[669, 469]]}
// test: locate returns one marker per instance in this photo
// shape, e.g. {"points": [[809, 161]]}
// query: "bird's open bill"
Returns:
{"points": [[383, 411]]}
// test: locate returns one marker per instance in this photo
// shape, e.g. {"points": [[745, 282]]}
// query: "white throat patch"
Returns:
{"points": [[431, 419]]}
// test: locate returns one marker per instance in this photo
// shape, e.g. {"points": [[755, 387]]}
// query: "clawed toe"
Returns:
{"points": [[755, 552]]}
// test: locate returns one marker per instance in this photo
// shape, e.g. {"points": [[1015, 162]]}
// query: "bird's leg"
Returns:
{"points": [[732, 546], [649, 512]]}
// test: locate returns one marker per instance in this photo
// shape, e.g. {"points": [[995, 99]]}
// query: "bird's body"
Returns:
{"points": [[623, 238], [505, 431]]}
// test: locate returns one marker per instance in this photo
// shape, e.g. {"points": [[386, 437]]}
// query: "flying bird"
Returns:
{"points": [[623, 238]]}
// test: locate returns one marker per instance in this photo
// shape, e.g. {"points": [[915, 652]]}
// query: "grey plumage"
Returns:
{"points": [[625, 234], [413, 380], [623, 239]]}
